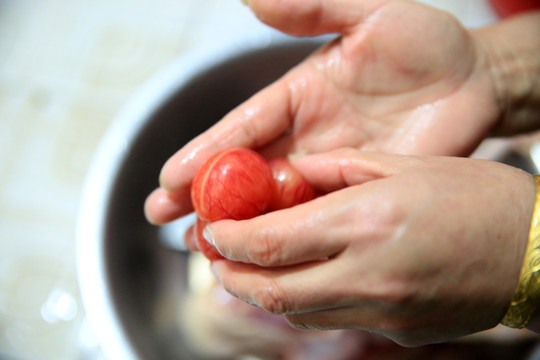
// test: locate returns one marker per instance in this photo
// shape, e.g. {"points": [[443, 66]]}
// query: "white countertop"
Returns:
{"points": [[66, 68]]}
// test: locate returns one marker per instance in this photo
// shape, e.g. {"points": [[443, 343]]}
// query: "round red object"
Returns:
{"points": [[506, 8]]}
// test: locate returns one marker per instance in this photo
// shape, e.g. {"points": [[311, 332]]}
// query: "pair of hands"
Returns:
{"points": [[418, 248]]}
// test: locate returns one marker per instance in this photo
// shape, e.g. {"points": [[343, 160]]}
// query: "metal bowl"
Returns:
{"points": [[131, 283]]}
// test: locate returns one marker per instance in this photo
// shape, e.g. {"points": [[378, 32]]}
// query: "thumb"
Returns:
{"points": [[337, 169], [313, 17]]}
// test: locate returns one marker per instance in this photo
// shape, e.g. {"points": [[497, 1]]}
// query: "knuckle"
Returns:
{"points": [[249, 127], [266, 250], [397, 302], [398, 293], [388, 213], [271, 298], [385, 217]]}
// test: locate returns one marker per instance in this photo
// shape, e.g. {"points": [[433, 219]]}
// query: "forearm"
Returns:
{"points": [[511, 51]]}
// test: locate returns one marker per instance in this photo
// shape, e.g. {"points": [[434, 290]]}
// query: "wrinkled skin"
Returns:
{"points": [[386, 84], [402, 246]]}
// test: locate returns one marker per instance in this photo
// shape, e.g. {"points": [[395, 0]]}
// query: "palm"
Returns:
{"points": [[404, 81]]}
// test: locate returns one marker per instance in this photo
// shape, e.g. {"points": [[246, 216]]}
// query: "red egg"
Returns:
{"points": [[233, 184], [290, 187], [507, 8], [239, 184]]}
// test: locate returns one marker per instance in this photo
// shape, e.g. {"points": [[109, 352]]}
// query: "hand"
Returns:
{"points": [[418, 249], [402, 78]]}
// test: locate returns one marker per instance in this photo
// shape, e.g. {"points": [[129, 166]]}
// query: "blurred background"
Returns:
{"points": [[66, 69]]}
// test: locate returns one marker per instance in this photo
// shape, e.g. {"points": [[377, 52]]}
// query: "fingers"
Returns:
{"points": [[253, 124], [283, 290], [285, 237], [340, 168], [314, 296], [320, 228], [261, 119], [326, 171], [190, 239], [162, 206], [308, 17]]}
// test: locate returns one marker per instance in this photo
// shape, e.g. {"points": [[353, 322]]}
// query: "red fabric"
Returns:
{"points": [[506, 8]]}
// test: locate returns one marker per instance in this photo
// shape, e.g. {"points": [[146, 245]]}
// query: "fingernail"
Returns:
{"points": [[213, 268], [208, 236], [149, 218], [245, 2]]}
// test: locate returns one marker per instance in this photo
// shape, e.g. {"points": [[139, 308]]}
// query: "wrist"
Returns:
{"points": [[511, 56]]}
